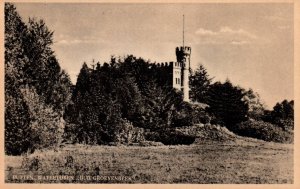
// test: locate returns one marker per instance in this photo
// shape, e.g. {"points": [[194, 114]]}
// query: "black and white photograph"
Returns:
{"points": [[148, 93]]}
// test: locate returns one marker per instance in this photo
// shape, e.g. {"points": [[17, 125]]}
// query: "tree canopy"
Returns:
{"points": [[226, 103], [36, 88]]}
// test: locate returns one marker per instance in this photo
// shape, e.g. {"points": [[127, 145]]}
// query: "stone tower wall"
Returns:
{"points": [[183, 56]]}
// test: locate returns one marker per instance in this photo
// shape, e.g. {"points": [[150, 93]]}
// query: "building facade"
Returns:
{"points": [[178, 72], [182, 71]]}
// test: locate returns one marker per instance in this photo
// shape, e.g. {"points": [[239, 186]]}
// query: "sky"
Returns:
{"points": [[252, 45]]}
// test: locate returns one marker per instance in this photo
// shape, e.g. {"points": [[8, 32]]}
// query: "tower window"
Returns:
{"points": [[178, 81]]}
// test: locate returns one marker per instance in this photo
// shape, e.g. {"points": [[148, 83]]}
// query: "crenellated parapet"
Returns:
{"points": [[177, 65], [185, 50], [183, 55], [168, 64]]}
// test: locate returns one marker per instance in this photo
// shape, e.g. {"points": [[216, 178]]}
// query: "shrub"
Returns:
{"points": [[69, 135], [189, 114], [286, 124], [129, 134], [170, 137], [263, 130], [208, 132], [46, 126]]}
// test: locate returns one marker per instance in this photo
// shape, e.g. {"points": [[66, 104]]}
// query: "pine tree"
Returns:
{"points": [[17, 117], [199, 84], [226, 103], [30, 64]]}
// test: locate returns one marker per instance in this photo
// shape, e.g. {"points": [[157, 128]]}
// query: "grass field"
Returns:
{"points": [[239, 161]]}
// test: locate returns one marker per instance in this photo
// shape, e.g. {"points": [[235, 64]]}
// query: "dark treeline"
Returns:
{"points": [[126, 100], [124, 92]]}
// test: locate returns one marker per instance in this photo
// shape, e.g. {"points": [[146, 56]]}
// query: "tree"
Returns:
{"points": [[199, 84], [283, 110], [36, 89], [82, 84], [60, 95], [120, 94], [189, 114], [256, 107], [103, 99], [15, 29], [160, 104], [226, 103], [17, 117], [283, 114], [43, 71], [45, 124]]}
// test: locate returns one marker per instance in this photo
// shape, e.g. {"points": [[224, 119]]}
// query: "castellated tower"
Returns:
{"points": [[178, 72], [183, 55]]}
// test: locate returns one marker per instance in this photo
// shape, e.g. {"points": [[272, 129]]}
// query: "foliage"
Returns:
{"points": [[36, 89], [129, 134], [199, 84], [170, 136], [16, 110], [256, 107], [208, 132], [17, 128], [189, 114], [226, 103], [160, 107], [113, 102], [45, 124], [263, 130], [283, 115], [116, 94], [43, 71]]}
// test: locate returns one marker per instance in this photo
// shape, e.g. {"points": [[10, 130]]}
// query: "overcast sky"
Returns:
{"points": [[250, 44]]}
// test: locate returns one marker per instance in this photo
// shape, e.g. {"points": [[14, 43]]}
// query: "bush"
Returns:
{"points": [[69, 135], [286, 124], [129, 134], [263, 130], [46, 126], [170, 137], [190, 114], [208, 132]]}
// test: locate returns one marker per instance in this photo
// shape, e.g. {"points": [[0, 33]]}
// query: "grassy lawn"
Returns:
{"points": [[239, 161]]}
